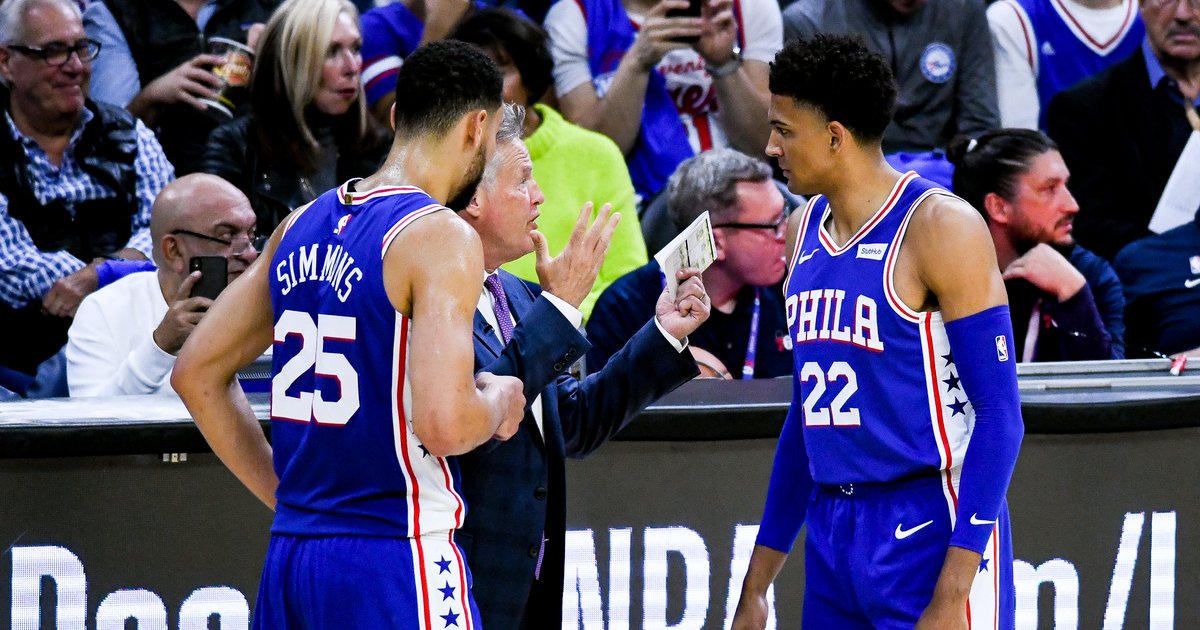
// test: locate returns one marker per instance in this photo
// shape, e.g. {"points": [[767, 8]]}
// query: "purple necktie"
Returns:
{"points": [[503, 318]]}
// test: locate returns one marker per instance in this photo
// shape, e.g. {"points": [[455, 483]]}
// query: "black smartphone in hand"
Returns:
{"points": [[692, 11], [214, 274]]}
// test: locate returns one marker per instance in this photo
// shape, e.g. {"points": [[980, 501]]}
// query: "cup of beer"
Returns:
{"points": [[234, 73]]}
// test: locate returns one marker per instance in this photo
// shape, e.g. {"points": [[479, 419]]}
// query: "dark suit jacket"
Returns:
{"points": [[1121, 140], [515, 490]]}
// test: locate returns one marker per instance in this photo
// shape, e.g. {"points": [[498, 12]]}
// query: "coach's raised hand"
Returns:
{"points": [[570, 275], [690, 308]]}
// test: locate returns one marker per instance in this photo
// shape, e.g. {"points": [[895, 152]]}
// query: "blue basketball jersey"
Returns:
{"points": [[880, 397], [347, 458], [1065, 54]]}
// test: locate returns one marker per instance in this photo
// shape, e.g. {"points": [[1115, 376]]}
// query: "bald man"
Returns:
{"points": [[125, 336]]}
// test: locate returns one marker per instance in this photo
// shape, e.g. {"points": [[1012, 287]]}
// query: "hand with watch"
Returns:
{"points": [[718, 43]]}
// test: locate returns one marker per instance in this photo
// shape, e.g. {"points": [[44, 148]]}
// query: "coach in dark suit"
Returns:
{"points": [[1122, 131], [515, 490]]}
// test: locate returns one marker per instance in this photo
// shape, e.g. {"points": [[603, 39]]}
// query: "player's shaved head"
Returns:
{"points": [[183, 202]]}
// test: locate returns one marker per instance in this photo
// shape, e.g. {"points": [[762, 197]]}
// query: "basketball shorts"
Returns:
{"points": [[363, 582], [873, 553]]}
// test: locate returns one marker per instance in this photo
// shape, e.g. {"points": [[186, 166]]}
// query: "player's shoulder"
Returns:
{"points": [[944, 226]]}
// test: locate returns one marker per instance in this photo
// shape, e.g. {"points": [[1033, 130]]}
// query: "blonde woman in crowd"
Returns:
{"points": [[307, 130]]}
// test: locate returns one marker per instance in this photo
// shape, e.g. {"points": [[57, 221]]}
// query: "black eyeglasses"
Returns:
{"points": [[238, 245], [777, 228], [59, 54]]}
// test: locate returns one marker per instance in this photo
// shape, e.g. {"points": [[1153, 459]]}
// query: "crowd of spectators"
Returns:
{"points": [[1071, 125]]}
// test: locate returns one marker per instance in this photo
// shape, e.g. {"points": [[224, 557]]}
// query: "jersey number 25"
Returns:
{"points": [[311, 405]]}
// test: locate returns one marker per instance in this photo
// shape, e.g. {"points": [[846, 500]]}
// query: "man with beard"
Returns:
{"points": [[370, 291], [1066, 302]]}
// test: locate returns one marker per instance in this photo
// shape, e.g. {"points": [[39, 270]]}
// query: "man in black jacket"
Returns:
{"points": [[514, 534], [77, 179], [1122, 131]]}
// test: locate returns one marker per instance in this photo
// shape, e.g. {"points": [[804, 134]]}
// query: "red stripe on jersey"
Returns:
{"points": [[1024, 31], [458, 510], [424, 582], [402, 429], [381, 76], [1103, 46], [403, 223], [462, 583], [937, 401], [879, 215], [703, 131]]}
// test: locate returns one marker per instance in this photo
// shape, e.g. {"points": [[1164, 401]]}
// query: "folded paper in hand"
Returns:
{"points": [[693, 248]]}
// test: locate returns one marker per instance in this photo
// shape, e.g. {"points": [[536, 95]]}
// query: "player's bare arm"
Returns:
{"points": [[752, 610], [433, 272], [236, 330], [948, 259]]}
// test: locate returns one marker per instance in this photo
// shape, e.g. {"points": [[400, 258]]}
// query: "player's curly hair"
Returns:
{"points": [[841, 78], [442, 81]]}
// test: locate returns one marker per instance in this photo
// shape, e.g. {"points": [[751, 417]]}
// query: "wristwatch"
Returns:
{"points": [[729, 67]]}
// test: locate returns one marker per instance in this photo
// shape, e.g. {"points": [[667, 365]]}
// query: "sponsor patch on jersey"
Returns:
{"points": [[1194, 262], [873, 251], [937, 62], [1001, 349]]}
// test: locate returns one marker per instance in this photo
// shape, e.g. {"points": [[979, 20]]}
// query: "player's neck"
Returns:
{"points": [[857, 194], [419, 163]]}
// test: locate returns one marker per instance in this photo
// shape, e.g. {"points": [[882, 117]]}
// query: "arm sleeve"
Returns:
{"points": [[153, 173], [617, 316], [982, 346], [115, 77], [976, 108], [26, 272], [1016, 82], [98, 366], [791, 483]]}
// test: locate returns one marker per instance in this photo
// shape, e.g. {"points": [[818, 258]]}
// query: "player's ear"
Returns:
{"points": [[837, 135], [477, 125]]}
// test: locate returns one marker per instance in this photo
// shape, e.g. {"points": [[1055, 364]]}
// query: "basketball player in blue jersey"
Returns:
{"points": [[367, 294], [905, 423]]}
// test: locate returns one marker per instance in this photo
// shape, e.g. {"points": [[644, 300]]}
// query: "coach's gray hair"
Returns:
{"points": [[512, 123], [709, 182], [12, 17], [511, 129]]}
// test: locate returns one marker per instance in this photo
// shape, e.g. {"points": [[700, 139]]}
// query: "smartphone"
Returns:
{"points": [[692, 11], [214, 273]]}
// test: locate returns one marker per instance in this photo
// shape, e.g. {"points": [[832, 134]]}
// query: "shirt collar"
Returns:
{"points": [[84, 118], [1155, 70]]}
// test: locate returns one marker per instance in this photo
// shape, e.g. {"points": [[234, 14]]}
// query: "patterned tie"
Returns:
{"points": [[503, 318]]}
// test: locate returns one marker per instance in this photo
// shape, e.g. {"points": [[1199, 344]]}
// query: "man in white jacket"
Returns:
{"points": [[125, 336]]}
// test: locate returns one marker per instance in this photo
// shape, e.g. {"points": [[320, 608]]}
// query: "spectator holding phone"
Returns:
{"points": [[125, 336], [666, 79]]}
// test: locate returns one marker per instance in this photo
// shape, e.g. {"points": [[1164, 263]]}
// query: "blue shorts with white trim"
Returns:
{"points": [[873, 553], [364, 582]]}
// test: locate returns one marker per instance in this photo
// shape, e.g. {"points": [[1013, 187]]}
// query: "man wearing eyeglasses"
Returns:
{"points": [[77, 181], [125, 336], [1122, 132], [746, 333]]}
